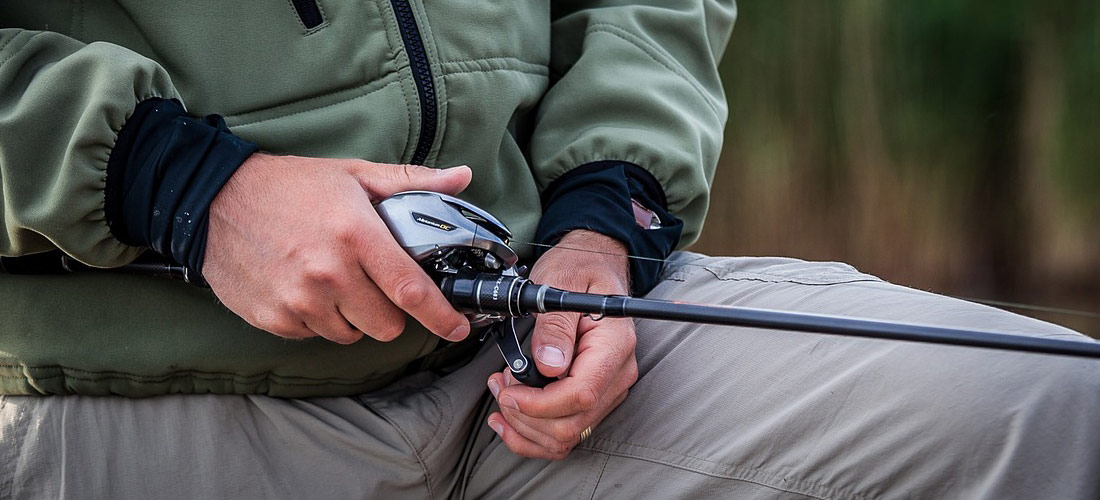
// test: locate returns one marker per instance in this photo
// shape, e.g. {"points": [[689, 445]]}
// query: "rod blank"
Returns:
{"points": [[619, 306]]}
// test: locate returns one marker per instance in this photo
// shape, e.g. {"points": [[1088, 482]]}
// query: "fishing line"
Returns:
{"points": [[989, 302], [1032, 307], [465, 250]]}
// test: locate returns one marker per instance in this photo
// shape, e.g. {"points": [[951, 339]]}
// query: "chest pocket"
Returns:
{"points": [[309, 13]]}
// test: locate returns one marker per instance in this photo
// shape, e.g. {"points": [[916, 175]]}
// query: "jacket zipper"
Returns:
{"points": [[422, 74]]}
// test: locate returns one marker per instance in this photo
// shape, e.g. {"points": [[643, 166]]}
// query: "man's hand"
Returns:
{"points": [[296, 248], [597, 357]]}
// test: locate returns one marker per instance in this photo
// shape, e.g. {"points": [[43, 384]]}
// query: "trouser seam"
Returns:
{"points": [[599, 475], [441, 431], [751, 475], [408, 442]]}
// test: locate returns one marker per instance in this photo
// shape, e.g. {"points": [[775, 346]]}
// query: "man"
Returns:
{"points": [[590, 126]]}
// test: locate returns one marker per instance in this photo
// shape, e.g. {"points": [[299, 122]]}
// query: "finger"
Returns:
{"points": [[560, 429], [295, 331], [313, 305], [368, 310], [604, 364], [553, 340], [280, 322], [609, 401], [384, 180], [559, 435], [330, 324], [407, 285], [509, 378], [519, 444], [562, 433]]}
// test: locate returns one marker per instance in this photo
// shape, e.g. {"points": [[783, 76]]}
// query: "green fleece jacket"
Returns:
{"points": [[520, 90]]}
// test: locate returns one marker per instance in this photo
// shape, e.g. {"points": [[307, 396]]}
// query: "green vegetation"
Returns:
{"points": [[949, 145]]}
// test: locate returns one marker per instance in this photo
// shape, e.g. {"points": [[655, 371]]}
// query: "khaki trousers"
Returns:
{"points": [[718, 412]]}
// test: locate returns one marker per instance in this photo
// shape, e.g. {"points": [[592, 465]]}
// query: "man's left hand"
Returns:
{"points": [[596, 357]]}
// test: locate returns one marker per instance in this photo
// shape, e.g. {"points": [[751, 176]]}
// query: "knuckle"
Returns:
{"points": [[586, 398], [411, 172], [324, 278], [557, 326], [630, 343], [514, 447], [278, 324], [321, 274], [559, 449], [347, 336], [348, 230], [630, 373], [410, 292], [387, 331], [295, 305], [387, 335], [565, 434]]}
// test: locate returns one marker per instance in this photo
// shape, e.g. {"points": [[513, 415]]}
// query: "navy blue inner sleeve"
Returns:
{"points": [[597, 197], [163, 174]]}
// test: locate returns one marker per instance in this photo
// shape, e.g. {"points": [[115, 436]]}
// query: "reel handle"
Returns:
{"points": [[523, 368]]}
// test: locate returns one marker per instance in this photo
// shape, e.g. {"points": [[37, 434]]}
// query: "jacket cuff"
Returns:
{"points": [[163, 174], [597, 197]]}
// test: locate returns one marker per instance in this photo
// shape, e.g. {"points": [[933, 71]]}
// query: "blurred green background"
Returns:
{"points": [[948, 145]]}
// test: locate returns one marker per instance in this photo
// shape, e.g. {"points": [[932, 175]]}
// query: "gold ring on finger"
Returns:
{"points": [[585, 433]]}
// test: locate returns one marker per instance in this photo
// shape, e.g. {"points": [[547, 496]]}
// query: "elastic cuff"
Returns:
{"points": [[597, 197], [120, 158], [163, 173]]}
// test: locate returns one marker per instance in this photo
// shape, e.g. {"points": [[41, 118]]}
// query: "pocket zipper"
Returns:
{"points": [[308, 12]]}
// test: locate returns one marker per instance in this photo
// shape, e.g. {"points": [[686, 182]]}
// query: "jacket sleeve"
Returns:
{"points": [[62, 104], [637, 81]]}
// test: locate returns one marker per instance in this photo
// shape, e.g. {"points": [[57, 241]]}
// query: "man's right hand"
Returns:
{"points": [[296, 248]]}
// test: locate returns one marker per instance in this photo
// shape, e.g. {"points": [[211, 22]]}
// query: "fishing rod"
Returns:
{"points": [[517, 296], [465, 249]]}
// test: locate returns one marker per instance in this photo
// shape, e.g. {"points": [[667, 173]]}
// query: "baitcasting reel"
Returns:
{"points": [[465, 250], [453, 239]]}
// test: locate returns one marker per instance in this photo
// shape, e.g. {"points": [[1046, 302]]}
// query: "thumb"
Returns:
{"points": [[553, 341], [384, 180]]}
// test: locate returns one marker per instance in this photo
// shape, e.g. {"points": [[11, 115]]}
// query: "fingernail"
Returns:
{"points": [[497, 428], [494, 388], [551, 356], [459, 333], [449, 169], [509, 402]]}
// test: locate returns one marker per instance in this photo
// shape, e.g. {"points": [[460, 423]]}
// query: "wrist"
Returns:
{"points": [[600, 255], [162, 175], [594, 241], [616, 199]]}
